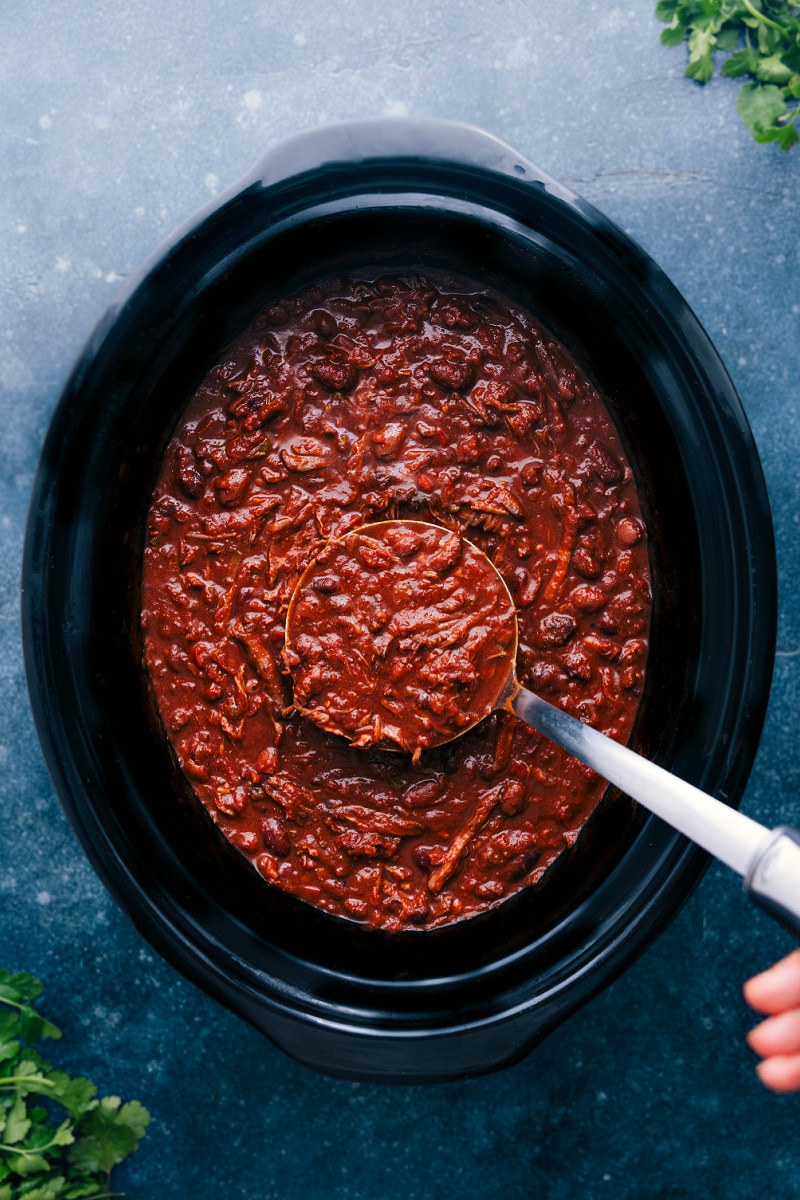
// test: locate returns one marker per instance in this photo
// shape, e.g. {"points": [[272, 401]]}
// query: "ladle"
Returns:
{"points": [[353, 673]]}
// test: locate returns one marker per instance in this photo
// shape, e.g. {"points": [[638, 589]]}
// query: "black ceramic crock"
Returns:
{"points": [[399, 193]]}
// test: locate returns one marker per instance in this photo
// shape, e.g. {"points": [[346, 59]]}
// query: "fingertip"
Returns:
{"points": [[753, 1039], [780, 1073], [752, 989], [776, 989]]}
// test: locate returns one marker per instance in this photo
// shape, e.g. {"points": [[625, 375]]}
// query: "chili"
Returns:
{"points": [[356, 401]]}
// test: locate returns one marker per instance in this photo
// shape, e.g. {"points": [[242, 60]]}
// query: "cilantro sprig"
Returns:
{"points": [[58, 1141], [762, 41]]}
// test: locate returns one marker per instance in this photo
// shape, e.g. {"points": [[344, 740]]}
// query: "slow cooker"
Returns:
{"points": [[341, 998]]}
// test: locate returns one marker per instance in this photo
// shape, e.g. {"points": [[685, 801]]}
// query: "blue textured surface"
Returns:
{"points": [[119, 121]]}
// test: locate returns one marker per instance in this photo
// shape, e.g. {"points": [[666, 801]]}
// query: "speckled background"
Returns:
{"points": [[118, 121]]}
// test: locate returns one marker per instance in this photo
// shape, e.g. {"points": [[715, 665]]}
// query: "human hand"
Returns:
{"points": [[777, 1040]]}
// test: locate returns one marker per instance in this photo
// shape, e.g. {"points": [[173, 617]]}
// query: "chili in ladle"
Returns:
{"points": [[400, 634]]}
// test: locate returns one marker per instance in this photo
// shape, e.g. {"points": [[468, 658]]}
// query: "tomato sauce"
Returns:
{"points": [[360, 400]]}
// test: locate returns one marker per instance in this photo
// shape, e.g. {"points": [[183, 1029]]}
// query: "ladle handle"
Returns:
{"points": [[773, 880], [768, 860]]}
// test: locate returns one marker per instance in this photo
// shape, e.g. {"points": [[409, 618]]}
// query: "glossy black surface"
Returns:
{"points": [[349, 1002]]}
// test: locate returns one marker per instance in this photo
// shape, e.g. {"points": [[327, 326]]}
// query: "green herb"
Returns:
{"points": [[762, 41], [57, 1140]]}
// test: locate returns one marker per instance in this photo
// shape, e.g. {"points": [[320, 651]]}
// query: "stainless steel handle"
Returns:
{"points": [[769, 861], [773, 880], [729, 835]]}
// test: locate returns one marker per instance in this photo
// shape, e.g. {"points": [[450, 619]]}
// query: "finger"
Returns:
{"points": [[781, 1073], [778, 988], [777, 1035]]}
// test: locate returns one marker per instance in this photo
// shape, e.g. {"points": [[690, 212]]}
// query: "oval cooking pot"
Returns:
{"points": [[479, 994]]}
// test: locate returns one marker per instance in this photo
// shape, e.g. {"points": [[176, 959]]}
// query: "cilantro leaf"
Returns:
{"points": [[760, 105], [666, 10], [9, 1048], [728, 38], [52, 1189], [63, 1136], [108, 1134], [672, 36], [773, 70], [791, 56], [17, 1123], [742, 62], [785, 135], [32, 1026], [71, 1158], [79, 1190], [76, 1095], [761, 39], [20, 987], [701, 64], [25, 1163]]}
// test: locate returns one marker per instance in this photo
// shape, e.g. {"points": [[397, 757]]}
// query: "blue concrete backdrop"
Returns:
{"points": [[117, 121]]}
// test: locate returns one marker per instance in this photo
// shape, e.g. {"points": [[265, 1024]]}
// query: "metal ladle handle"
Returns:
{"points": [[769, 860]]}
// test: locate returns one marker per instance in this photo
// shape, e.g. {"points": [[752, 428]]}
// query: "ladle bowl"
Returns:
{"points": [[401, 634]]}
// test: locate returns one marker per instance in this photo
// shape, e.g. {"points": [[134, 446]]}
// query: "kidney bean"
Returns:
{"points": [[277, 315], [428, 857], [450, 373], [323, 323], [267, 761], [608, 623], [524, 863], [455, 317], [602, 646], [422, 794], [275, 837], [585, 563], [513, 798], [629, 531], [337, 376], [604, 464], [232, 486], [588, 599], [631, 677], [555, 630], [191, 481], [369, 844], [231, 801], [468, 449], [577, 663], [526, 586], [387, 440], [245, 839], [634, 650], [531, 473]]}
